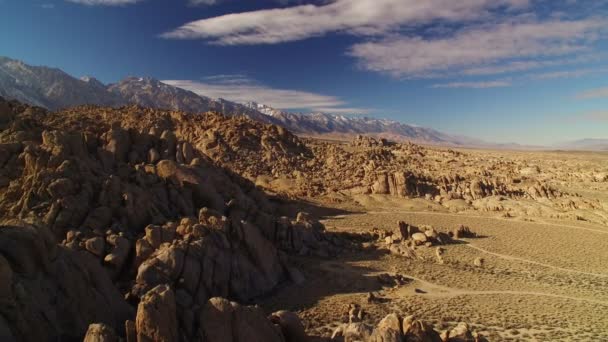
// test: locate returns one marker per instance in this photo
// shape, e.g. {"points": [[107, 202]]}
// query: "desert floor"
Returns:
{"points": [[543, 279]]}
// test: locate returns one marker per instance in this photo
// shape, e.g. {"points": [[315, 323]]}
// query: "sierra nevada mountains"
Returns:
{"points": [[54, 89]]}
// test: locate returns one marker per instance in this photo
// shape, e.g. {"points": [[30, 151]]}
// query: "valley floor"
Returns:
{"points": [[542, 279]]}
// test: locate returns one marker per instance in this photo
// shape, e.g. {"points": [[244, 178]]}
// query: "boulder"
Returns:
{"points": [[419, 238], [100, 333], [353, 332], [388, 330], [419, 331], [461, 333], [117, 257], [96, 246], [225, 321], [54, 283], [291, 326], [156, 318]]}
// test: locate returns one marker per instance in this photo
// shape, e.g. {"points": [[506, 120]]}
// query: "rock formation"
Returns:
{"points": [[151, 225]]}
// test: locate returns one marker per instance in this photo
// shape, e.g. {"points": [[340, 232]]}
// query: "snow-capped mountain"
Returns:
{"points": [[49, 87], [149, 92], [55, 89], [343, 125]]}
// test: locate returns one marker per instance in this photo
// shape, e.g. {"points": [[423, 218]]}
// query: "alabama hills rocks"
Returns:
{"points": [[127, 223], [150, 225]]}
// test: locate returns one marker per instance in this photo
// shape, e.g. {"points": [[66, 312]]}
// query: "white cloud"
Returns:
{"points": [[483, 41], [517, 66], [594, 93], [474, 85], [104, 2], [403, 56], [362, 17], [202, 2], [568, 74], [240, 89]]}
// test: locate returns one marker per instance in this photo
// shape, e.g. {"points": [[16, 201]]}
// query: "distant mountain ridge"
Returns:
{"points": [[334, 124], [585, 144], [50, 87], [54, 89]]}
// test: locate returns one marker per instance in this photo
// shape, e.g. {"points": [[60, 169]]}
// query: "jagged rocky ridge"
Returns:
{"points": [[370, 166], [122, 224]]}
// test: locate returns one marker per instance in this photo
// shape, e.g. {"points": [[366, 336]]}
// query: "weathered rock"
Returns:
{"points": [[291, 326], [419, 331], [461, 333], [99, 218], [353, 332], [96, 246], [100, 333], [388, 330], [157, 316], [419, 238], [117, 257], [41, 268], [222, 320]]}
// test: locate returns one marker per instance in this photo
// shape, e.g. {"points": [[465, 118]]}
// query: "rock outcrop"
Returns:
{"points": [[147, 225], [128, 204]]}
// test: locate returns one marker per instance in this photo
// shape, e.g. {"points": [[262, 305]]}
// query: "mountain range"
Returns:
{"points": [[54, 89]]}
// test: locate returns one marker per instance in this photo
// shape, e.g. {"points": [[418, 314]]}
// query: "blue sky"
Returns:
{"points": [[527, 71]]}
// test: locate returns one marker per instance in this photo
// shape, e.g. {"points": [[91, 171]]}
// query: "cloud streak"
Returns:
{"points": [[415, 56], [360, 17], [202, 2], [239, 89], [474, 85], [594, 93], [104, 2], [568, 74], [396, 39]]}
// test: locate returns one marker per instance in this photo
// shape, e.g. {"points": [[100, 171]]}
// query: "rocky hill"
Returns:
{"points": [[129, 223], [147, 224]]}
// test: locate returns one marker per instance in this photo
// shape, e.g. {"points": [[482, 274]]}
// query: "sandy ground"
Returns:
{"points": [[543, 279]]}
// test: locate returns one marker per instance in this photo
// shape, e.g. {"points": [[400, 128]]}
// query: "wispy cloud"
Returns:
{"points": [[474, 85], [361, 17], [594, 93], [568, 74], [518, 66], [203, 2], [414, 56], [468, 38], [596, 116], [104, 2], [240, 89]]}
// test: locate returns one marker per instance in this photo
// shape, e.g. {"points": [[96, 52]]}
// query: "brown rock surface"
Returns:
{"points": [[131, 208], [156, 318]]}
